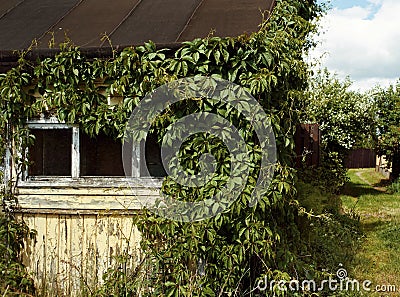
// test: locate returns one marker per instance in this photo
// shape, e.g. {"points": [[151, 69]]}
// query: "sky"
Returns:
{"points": [[361, 39]]}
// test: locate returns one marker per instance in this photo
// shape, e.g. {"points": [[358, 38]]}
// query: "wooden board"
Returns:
{"points": [[72, 253]]}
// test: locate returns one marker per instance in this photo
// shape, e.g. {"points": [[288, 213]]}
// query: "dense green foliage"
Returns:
{"points": [[346, 118], [388, 104], [14, 281], [226, 255], [350, 119]]}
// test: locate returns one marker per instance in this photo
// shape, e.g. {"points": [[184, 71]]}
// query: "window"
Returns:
{"points": [[100, 156], [51, 154], [62, 150], [153, 157]]}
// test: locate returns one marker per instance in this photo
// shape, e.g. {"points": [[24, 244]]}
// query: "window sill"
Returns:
{"points": [[91, 181], [91, 195]]}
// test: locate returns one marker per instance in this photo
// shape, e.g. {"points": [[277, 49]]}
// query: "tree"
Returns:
{"points": [[347, 120], [346, 117], [388, 103]]}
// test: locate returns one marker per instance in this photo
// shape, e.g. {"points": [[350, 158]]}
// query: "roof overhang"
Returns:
{"points": [[124, 23]]}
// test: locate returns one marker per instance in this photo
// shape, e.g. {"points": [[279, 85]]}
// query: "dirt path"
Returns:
{"points": [[359, 174]]}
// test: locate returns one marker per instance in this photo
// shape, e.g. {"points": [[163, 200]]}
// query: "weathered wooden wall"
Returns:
{"points": [[81, 226], [72, 252]]}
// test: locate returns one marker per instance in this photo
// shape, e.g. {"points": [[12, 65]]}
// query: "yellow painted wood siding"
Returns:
{"points": [[72, 252]]}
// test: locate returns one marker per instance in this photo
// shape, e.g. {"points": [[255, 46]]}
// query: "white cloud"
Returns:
{"points": [[363, 43]]}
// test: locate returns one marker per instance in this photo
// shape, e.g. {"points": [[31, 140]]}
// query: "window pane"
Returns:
{"points": [[153, 157], [51, 153], [101, 156]]}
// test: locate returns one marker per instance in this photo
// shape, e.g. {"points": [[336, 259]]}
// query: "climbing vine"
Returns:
{"points": [[225, 255]]}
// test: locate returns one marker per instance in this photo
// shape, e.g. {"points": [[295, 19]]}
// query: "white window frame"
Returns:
{"points": [[76, 179], [53, 124]]}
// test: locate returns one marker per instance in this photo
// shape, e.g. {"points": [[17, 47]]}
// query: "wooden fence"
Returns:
{"points": [[307, 141], [361, 158]]}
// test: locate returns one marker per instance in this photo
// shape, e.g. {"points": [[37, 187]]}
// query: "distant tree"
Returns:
{"points": [[388, 103], [347, 118]]}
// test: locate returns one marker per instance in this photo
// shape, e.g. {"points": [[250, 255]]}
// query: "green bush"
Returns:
{"points": [[394, 187], [331, 174], [14, 280]]}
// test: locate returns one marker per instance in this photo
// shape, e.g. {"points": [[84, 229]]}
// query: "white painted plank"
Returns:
{"points": [[85, 202], [77, 253], [102, 191], [89, 182], [30, 245], [40, 252], [130, 241], [73, 252], [114, 235], [52, 260], [90, 253], [102, 246], [7, 165], [75, 155], [136, 156], [64, 239]]}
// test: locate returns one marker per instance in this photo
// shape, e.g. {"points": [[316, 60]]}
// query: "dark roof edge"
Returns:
{"points": [[12, 56]]}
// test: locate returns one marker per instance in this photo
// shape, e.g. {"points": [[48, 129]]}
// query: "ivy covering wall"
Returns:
{"points": [[225, 255]]}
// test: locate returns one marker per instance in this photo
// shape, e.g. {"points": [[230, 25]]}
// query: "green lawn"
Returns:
{"points": [[378, 258]]}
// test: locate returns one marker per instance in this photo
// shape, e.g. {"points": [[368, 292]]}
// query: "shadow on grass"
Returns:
{"points": [[373, 225], [357, 189], [383, 183]]}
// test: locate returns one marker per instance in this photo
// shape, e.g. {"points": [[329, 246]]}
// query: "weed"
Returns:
{"points": [[394, 187]]}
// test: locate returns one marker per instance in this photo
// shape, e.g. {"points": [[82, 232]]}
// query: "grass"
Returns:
{"points": [[314, 199], [332, 236], [378, 258]]}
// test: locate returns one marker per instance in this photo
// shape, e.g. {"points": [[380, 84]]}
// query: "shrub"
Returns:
{"points": [[394, 187], [331, 174], [14, 280]]}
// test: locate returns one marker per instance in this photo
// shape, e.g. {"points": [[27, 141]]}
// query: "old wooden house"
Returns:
{"points": [[74, 193]]}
